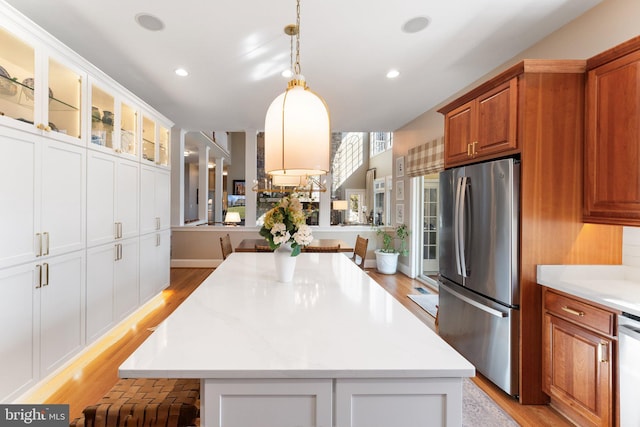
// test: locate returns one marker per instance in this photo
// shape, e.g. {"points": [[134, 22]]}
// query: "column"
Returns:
{"points": [[219, 191], [251, 173], [177, 176], [203, 183]]}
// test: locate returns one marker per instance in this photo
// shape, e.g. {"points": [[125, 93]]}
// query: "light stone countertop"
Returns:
{"points": [[333, 321], [615, 286]]}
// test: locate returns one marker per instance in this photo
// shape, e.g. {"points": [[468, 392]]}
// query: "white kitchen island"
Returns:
{"points": [[332, 348]]}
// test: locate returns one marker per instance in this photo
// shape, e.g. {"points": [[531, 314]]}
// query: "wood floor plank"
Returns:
{"points": [[95, 377]]}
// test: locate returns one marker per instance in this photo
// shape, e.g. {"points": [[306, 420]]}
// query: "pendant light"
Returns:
{"points": [[297, 124]]}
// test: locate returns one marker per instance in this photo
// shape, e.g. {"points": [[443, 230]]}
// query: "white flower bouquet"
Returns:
{"points": [[286, 223]]}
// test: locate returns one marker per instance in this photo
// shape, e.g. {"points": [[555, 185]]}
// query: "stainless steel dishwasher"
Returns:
{"points": [[629, 369]]}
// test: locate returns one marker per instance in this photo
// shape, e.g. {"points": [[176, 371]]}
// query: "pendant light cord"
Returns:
{"points": [[297, 66]]}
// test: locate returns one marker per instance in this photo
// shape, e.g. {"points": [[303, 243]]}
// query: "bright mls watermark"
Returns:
{"points": [[34, 415]]}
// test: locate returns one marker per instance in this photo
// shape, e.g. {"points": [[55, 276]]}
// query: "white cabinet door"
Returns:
{"points": [[148, 217], [100, 290], [155, 199], [101, 194], [19, 175], [42, 185], [163, 198], [63, 197], [112, 198], [18, 318], [154, 263], [126, 278], [163, 266], [61, 309], [127, 180], [148, 267]]}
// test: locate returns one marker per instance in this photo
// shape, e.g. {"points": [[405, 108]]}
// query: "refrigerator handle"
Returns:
{"points": [[461, 226], [491, 311], [456, 226]]}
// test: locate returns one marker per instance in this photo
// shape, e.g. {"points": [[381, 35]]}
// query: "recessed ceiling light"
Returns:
{"points": [[392, 74], [149, 22], [182, 72], [416, 24]]}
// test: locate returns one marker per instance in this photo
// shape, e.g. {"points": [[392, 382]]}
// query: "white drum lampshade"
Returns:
{"points": [[297, 133]]}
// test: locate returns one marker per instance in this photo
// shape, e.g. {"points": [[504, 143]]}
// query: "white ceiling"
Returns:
{"points": [[235, 51]]}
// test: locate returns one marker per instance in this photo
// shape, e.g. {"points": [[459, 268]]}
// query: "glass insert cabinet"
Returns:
{"points": [[46, 98], [44, 94]]}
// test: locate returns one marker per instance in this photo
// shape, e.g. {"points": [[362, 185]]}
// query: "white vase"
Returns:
{"points": [[285, 263]]}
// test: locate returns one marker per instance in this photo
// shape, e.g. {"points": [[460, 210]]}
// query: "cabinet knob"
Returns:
{"points": [[40, 126]]}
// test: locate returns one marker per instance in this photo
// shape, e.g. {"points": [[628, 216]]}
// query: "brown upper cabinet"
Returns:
{"points": [[612, 150], [483, 127]]}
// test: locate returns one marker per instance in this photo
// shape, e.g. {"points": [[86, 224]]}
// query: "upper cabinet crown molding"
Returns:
{"points": [[525, 66]]}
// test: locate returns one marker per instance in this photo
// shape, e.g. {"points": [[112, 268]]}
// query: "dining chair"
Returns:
{"points": [[263, 248], [360, 251], [321, 249], [225, 245]]}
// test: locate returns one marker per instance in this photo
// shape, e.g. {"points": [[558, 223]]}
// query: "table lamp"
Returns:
{"points": [[340, 205], [232, 218]]}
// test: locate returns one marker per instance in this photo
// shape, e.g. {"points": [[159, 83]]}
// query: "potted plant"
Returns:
{"points": [[387, 256]]}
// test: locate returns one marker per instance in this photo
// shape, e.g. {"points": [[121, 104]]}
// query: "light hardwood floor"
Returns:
{"points": [[89, 378]]}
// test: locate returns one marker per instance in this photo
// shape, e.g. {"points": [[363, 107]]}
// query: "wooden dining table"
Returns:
{"points": [[249, 245]]}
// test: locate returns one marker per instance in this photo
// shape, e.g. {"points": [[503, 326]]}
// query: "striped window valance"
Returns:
{"points": [[426, 158]]}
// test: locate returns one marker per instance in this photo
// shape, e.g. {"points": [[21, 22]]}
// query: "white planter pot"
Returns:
{"points": [[386, 263]]}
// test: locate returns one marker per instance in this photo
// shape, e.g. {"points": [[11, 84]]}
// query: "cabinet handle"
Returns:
{"points": [[46, 235], [39, 276], [602, 352], [46, 274], [572, 311], [39, 243], [120, 229], [473, 148], [157, 240], [120, 251], [468, 150], [115, 250], [157, 223]]}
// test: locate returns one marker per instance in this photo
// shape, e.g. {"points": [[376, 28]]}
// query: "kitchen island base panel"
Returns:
{"points": [[266, 403], [401, 402]]}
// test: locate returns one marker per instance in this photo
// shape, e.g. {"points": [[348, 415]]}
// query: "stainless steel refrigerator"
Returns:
{"points": [[479, 297]]}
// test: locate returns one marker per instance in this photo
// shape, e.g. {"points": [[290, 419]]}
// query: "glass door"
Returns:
{"points": [[102, 105], [64, 95], [429, 235], [163, 149], [128, 130], [17, 71], [148, 139]]}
